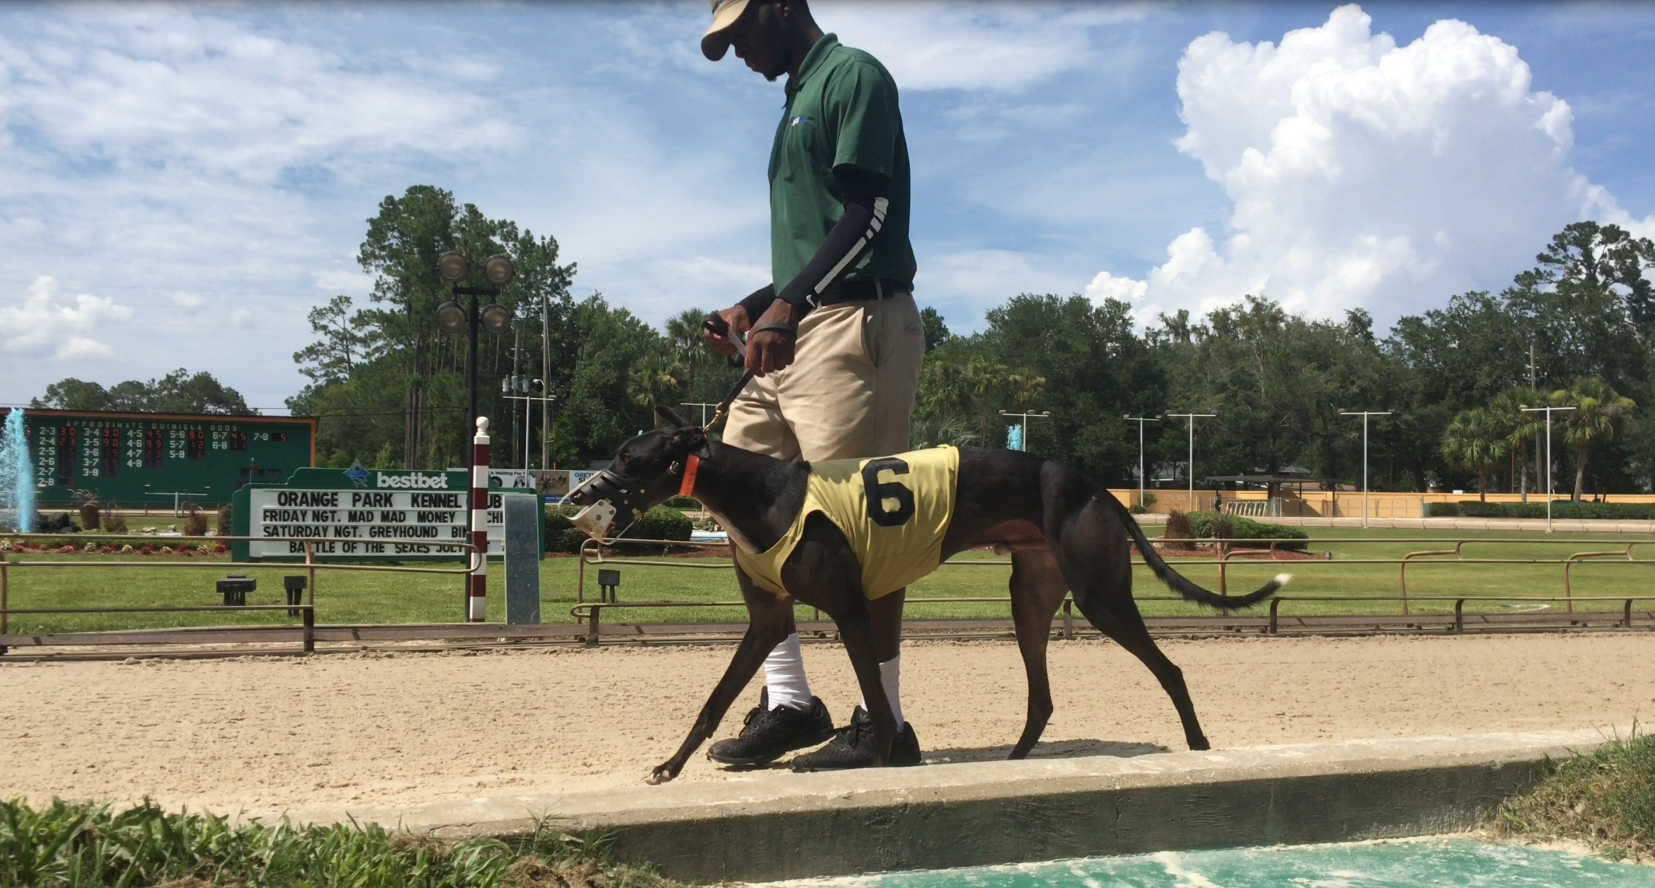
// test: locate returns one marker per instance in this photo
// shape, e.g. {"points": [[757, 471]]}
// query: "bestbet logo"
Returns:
{"points": [[414, 482]]}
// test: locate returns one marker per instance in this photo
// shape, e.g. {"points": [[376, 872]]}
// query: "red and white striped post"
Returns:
{"points": [[476, 596]]}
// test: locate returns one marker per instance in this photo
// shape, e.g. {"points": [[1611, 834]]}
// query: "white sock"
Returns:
{"points": [[890, 675], [784, 675]]}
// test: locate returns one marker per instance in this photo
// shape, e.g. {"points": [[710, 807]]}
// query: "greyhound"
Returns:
{"points": [[1064, 532]]}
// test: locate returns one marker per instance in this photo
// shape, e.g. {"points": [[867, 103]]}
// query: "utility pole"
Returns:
{"points": [[1046, 414], [1140, 420], [1548, 411], [1364, 414], [1533, 387], [545, 381], [1192, 417]]}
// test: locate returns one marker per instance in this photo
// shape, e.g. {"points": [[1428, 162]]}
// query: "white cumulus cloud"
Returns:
{"points": [[44, 325], [1367, 174]]}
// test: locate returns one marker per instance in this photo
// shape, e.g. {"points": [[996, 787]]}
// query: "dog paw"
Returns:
{"points": [[660, 775]]}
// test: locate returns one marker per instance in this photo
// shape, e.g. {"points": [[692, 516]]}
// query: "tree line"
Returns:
{"points": [[1577, 329]]}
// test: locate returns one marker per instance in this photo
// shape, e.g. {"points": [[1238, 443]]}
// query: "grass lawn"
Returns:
{"points": [[366, 597]]}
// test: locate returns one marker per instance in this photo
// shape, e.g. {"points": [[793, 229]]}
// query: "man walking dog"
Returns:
{"points": [[836, 340]]}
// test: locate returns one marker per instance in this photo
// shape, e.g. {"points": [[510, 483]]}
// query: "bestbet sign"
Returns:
{"points": [[418, 480], [359, 514]]}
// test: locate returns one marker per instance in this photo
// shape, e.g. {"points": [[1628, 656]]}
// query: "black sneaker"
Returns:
{"points": [[768, 734], [852, 747]]}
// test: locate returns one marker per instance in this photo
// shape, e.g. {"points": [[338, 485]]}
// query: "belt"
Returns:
{"points": [[860, 290]]}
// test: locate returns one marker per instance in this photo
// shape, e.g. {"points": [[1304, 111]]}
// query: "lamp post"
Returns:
{"points": [[1140, 420], [1192, 417], [1549, 489], [454, 319], [1023, 440], [1364, 414]]}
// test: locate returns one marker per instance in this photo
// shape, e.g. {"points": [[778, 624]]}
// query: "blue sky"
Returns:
{"points": [[179, 184]]}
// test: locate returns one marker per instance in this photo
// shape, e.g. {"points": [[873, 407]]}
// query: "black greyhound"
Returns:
{"points": [[1064, 532]]}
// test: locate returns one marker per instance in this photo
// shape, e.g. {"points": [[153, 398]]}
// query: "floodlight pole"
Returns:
{"points": [[1140, 420], [1192, 417], [1364, 414], [1550, 489], [1044, 413]]}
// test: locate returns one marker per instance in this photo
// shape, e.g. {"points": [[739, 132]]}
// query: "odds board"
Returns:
{"points": [[134, 459]]}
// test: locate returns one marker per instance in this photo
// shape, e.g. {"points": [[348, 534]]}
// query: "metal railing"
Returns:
{"points": [[309, 565], [1228, 552]]}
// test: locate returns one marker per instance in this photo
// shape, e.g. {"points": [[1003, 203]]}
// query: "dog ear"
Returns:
{"points": [[673, 418], [689, 440]]}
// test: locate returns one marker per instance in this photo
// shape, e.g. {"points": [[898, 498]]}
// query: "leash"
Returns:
{"points": [[718, 325]]}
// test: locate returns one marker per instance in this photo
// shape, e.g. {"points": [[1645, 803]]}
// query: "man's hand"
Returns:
{"points": [[723, 341], [772, 350]]}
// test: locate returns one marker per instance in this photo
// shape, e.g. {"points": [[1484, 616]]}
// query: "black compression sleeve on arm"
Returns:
{"points": [[866, 199], [758, 302]]}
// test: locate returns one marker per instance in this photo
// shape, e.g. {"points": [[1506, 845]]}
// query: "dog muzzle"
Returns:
{"points": [[610, 496]]}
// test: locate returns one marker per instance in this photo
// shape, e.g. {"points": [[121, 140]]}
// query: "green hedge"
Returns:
{"points": [[659, 523], [1560, 509], [1247, 529]]}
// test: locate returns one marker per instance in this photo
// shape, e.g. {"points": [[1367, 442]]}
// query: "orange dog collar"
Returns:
{"points": [[690, 467]]}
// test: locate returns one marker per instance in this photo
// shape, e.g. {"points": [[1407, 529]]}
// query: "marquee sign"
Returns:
{"points": [[359, 514]]}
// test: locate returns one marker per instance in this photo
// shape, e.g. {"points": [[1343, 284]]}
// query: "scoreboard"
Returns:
{"points": [[207, 457]]}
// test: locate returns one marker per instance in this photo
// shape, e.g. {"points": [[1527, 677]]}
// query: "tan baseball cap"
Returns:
{"points": [[716, 41]]}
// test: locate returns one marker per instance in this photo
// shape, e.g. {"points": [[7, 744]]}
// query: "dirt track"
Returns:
{"points": [[266, 734]]}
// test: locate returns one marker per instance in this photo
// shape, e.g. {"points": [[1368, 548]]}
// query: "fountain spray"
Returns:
{"points": [[16, 475]]}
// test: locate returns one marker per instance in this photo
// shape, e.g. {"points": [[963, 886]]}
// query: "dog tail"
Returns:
{"points": [[1177, 582]]}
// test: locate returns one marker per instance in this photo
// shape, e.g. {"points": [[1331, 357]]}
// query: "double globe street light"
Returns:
{"points": [[452, 317]]}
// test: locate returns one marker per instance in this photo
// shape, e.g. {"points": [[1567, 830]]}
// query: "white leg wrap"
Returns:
{"points": [[784, 675], [890, 675]]}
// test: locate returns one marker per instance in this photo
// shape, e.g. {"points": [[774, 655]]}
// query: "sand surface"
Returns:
{"points": [[393, 729]]}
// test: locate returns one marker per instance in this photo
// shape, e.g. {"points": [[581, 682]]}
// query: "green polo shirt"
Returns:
{"points": [[841, 109]]}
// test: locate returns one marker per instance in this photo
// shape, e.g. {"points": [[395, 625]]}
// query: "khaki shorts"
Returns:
{"points": [[849, 392]]}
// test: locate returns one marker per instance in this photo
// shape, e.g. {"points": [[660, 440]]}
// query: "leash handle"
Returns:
{"points": [[716, 324]]}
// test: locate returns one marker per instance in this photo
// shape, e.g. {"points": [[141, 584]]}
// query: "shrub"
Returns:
{"points": [[1240, 528], [1179, 527], [561, 536], [90, 513], [1138, 510], [1150, 499], [226, 521], [661, 523], [113, 523], [196, 524]]}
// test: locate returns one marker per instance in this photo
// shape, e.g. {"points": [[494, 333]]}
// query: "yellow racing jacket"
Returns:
{"points": [[894, 510]]}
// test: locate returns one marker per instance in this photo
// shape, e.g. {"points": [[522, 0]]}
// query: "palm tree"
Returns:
{"points": [[655, 379], [985, 381], [684, 336], [1520, 427], [1473, 441], [1599, 415]]}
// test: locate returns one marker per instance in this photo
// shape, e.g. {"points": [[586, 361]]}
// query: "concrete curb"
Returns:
{"points": [[777, 825]]}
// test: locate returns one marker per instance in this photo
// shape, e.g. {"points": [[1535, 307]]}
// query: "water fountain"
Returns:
{"points": [[16, 475]]}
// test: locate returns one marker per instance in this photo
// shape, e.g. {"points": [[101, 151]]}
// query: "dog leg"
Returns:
{"points": [[1131, 633], [767, 619], [1099, 569], [856, 629], [1037, 590]]}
